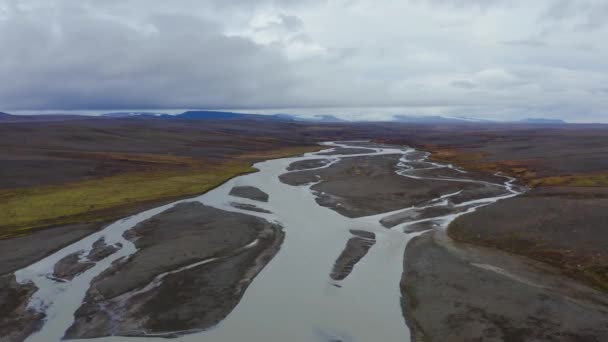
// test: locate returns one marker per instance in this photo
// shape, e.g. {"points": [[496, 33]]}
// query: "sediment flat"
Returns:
{"points": [[21, 251], [368, 185], [249, 192], [458, 292], [249, 207], [565, 227], [307, 164], [17, 321], [194, 262], [346, 150], [76, 263], [356, 248], [193, 265]]}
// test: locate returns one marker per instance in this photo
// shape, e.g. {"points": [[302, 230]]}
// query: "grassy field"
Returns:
{"points": [[280, 153], [105, 198], [588, 180], [23, 210], [520, 169]]}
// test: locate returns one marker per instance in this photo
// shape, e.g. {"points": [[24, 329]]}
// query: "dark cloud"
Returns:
{"points": [[463, 84], [530, 42], [585, 15], [560, 9], [79, 61], [291, 22], [491, 58]]}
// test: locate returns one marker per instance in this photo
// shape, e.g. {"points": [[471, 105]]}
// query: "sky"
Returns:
{"points": [[356, 59]]}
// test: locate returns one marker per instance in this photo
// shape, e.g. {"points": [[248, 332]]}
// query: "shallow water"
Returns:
{"points": [[293, 298]]}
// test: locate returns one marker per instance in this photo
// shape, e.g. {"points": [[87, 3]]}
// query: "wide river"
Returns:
{"points": [[293, 298]]}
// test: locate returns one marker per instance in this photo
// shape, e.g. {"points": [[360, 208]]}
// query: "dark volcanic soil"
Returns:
{"points": [[356, 248], [71, 266], [16, 321], [76, 263], [566, 227], [361, 186], [22, 251], [413, 215], [464, 293], [193, 265], [544, 150], [249, 207], [307, 164], [249, 192], [43, 153], [101, 250], [343, 150]]}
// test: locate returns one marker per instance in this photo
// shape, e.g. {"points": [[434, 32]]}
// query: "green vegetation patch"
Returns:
{"points": [[281, 152], [26, 209], [22, 210]]}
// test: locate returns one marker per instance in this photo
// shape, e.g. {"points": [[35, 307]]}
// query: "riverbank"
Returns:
{"points": [[451, 291], [39, 221], [32, 245], [560, 218], [172, 245], [395, 194], [26, 210], [368, 185], [192, 266], [564, 227], [461, 292]]}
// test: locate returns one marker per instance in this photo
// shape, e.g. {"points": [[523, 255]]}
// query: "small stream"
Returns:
{"points": [[292, 298]]}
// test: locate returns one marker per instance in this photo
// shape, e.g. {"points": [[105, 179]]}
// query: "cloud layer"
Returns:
{"points": [[494, 59]]}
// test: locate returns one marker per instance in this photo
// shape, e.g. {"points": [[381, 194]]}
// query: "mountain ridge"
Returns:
{"points": [[284, 117]]}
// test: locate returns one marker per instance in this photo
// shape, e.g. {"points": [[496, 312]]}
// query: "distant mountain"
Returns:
{"points": [[10, 118], [211, 115], [431, 119], [134, 114], [198, 115], [321, 118], [543, 121], [314, 118], [219, 115], [460, 119], [215, 115]]}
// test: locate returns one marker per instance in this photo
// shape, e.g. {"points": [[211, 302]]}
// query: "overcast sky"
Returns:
{"points": [[356, 58]]}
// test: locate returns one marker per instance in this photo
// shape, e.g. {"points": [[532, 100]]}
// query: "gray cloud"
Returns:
{"points": [[585, 15], [79, 61], [530, 42], [291, 22], [463, 84], [467, 4], [460, 57]]}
